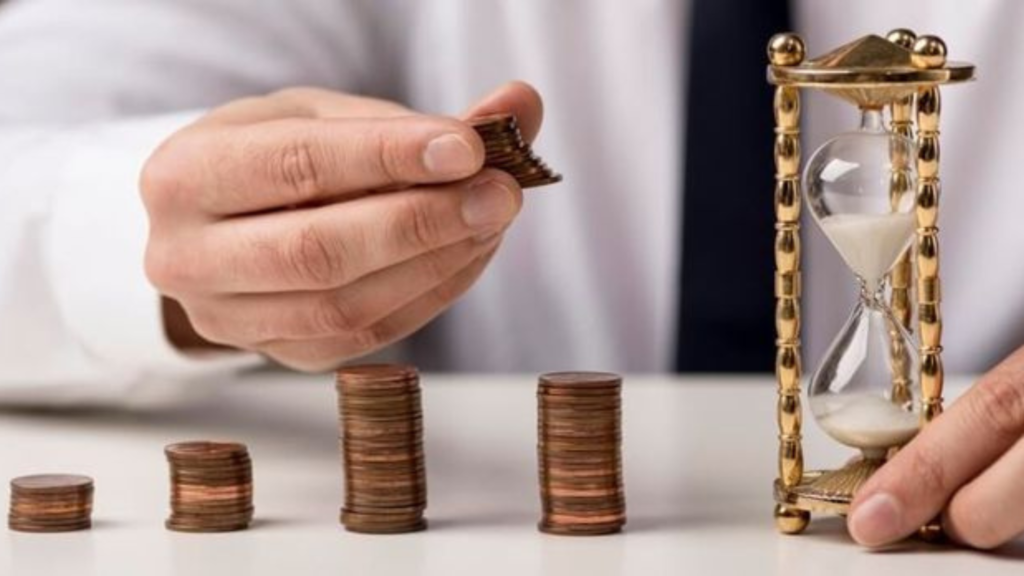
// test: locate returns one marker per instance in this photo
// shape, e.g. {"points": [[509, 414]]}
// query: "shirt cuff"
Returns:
{"points": [[96, 245]]}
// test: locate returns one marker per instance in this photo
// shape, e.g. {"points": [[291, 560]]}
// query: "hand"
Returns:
{"points": [[967, 464], [315, 227]]}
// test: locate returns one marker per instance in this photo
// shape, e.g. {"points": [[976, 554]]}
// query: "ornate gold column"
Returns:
{"points": [[899, 186], [929, 52], [788, 50], [903, 125]]}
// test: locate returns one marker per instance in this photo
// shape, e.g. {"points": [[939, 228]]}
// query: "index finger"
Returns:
{"points": [[296, 161], [916, 484]]}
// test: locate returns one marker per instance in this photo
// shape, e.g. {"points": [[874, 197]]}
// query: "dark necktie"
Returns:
{"points": [[726, 312]]}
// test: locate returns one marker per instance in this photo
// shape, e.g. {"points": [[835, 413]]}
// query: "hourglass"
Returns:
{"points": [[874, 193]]}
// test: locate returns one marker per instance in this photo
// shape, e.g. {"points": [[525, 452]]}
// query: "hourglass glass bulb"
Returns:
{"points": [[859, 187]]}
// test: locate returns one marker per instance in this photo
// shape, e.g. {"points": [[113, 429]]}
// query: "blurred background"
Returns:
{"points": [[590, 275]]}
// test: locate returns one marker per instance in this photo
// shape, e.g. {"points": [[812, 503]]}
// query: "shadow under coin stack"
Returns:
{"points": [[381, 421], [506, 150], [211, 487], [579, 452], [51, 503]]}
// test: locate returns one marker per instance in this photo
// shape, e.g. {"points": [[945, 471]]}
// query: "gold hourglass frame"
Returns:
{"points": [[901, 72]]}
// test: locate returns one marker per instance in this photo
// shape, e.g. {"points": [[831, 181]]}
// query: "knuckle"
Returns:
{"points": [[435, 267], [166, 270], [999, 405], [388, 158], [372, 337], [160, 180], [416, 225], [312, 259], [210, 325], [334, 315], [294, 166]]}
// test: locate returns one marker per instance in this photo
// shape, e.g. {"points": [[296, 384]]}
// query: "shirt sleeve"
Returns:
{"points": [[81, 322], [86, 94]]}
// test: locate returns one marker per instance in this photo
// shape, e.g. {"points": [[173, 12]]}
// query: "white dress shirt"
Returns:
{"points": [[587, 277]]}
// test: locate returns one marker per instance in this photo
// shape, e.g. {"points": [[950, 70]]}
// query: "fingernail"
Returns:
{"points": [[877, 521], [488, 204], [449, 155]]}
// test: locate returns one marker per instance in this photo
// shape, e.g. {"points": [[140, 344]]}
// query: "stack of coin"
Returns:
{"points": [[506, 150], [580, 455], [381, 425], [211, 487], [51, 503]]}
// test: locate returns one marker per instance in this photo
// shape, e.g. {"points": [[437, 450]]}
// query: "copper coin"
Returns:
{"points": [[392, 492], [390, 498], [376, 373], [396, 459], [552, 179], [187, 526], [204, 449], [584, 519], [596, 507], [560, 530], [376, 528], [198, 482], [412, 469], [27, 526], [581, 494], [198, 513], [391, 518], [51, 514], [51, 519], [50, 483], [211, 466], [572, 379], [557, 476], [54, 498], [356, 500], [222, 499], [212, 491], [492, 120]]}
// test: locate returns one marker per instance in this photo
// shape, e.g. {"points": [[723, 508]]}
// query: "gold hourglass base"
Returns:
{"points": [[831, 492], [824, 491]]}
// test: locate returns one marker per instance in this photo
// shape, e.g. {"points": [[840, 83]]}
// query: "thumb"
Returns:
{"points": [[916, 484], [518, 98]]}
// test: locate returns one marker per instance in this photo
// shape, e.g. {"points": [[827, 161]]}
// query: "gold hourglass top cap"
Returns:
{"points": [[870, 71]]}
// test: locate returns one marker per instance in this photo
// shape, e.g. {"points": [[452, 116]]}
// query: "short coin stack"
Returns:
{"points": [[211, 486], [51, 503], [580, 455], [506, 150], [381, 422]]}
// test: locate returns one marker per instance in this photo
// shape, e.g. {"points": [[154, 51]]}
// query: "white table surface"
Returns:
{"points": [[699, 462]]}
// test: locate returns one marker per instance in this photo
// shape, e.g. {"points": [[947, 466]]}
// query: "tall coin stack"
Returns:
{"points": [[381, 425], [580, 455], [211, 487], [51, 503], [506, 150]]}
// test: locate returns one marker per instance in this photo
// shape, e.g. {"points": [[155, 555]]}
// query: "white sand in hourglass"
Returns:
{"points": [[869, 243], [866, 421]]}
